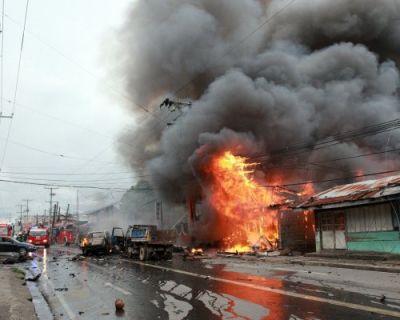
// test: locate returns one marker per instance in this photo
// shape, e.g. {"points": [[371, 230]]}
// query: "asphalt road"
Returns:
{"points": [[177, 289]]}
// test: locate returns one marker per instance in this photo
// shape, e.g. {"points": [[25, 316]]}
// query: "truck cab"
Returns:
{"points": [[117, 239], [39, 237]]}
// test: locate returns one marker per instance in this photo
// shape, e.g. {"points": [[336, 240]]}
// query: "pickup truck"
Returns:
{"points": [[95, 242], [146, 242]]}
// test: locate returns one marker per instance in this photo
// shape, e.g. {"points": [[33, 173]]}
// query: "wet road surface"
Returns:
{"points": [[177, 289]]}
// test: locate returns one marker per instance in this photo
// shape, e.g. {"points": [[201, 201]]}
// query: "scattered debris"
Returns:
{"points": [[119, 304], [81, 312], [382, 299], [33, 277], [61, 289], [72, 275]]}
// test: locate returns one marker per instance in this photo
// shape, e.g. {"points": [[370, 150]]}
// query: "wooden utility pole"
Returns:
{"points": [[54, 214], [27, 208], [77, 205], [67, 212], [51, 201]]}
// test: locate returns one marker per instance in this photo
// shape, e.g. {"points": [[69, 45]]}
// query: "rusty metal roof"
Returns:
{"points": [[354, 193]]}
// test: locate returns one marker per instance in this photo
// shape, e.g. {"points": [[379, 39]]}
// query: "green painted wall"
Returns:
{"points": [[384, 241]]}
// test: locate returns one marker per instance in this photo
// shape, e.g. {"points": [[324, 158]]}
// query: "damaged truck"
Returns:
{"points": [[147, 242]]}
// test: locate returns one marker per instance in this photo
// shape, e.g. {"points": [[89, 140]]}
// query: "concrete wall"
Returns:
{"points": [[385, 241]]}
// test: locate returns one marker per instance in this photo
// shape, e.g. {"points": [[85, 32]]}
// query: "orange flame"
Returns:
{"points": [[243, 206], [197, 251], [307, 191]]}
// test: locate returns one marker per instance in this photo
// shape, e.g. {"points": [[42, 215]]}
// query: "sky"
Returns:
{"points": [[67, 112]]}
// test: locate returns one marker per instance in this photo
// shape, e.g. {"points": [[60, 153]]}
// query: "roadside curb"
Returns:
{"points": [[345, 265]]}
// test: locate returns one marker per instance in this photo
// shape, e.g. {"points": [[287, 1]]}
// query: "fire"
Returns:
{"points": [[197, 251], [243, 205], [307, 191]]}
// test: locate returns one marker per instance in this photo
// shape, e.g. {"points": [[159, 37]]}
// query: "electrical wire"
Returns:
{"points": [[331, 180], [63, 185], [332, 140], [16, 86]]}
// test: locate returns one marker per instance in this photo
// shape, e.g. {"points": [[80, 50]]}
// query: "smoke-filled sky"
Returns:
{"points": [[262, 75]]}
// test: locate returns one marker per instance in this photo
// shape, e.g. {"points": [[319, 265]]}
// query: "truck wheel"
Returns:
{"points": [[143, 254], [130, 252]]}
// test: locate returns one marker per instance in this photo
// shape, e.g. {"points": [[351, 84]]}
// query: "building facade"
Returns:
{"points": [[362, 216]]}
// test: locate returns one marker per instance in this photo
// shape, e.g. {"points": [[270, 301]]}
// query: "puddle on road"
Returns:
{"points": [[177, 303], [230, 307], [177, 309]]}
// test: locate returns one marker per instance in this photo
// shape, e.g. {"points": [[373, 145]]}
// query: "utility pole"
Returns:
{"points": [[54, 214], [27, 208], [51, 201], [20, 212], [77, 205], [67, 212]]}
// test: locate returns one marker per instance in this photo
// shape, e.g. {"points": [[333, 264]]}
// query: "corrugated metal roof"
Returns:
{"points": [[355, 192]]}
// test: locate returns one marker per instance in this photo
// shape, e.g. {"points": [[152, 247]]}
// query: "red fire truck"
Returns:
{"points": [[39, 236], [5, 230], [64, 234]]}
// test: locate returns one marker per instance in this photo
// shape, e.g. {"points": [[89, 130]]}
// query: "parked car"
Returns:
{"points": [[10, 246], [95, 242]]}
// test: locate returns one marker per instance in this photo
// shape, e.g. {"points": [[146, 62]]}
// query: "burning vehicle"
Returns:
{"points": [[95, 242]]}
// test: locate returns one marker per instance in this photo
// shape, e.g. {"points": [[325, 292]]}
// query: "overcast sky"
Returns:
{"points": [[65, 105]]}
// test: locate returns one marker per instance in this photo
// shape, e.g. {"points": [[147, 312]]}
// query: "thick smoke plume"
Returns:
{"points": [[262, 74]]}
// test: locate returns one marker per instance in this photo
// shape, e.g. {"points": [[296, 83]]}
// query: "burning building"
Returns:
{"points": [[282, 92]]}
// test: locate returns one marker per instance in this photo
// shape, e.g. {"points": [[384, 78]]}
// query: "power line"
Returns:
{"points": [[70, 173], [303, 165], [112, 180], [331, 180], [332, 140], [60, 155], [63, 185], [16, 84], [93, 75]]}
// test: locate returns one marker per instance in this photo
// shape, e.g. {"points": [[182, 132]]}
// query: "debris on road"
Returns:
{"points": [[119, 304], [77, 257]]}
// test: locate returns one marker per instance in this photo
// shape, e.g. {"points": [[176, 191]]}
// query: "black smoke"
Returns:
{"points": [[264, 77]]}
